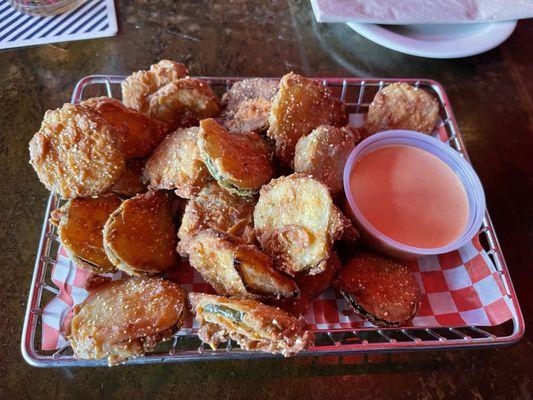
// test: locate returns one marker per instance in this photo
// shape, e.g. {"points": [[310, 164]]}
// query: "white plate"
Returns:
{"points": [[438, 41]]}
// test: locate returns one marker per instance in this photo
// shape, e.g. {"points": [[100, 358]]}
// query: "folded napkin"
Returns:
{"points": [[401, 12]]}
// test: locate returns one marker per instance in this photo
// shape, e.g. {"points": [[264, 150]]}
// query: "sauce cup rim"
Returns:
{"points": [[454, 159]]}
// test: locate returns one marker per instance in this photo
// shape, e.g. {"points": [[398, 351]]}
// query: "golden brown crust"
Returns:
{"points": [[240, 162], [234, 268], [246, 105], [74, 152], [253, 325], [323, 154], [139, 86], [137, 134], [310, 287], [140, 236], [340, 227], [296, 223], [126, 318], [216, 208], [298, 107], [402, 106], [177, 164], [252, 116], [80, 222], [380, 289], [183, 103], [130, 181]]}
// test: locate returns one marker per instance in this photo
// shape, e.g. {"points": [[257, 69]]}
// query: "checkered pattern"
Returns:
{"points": [[458, 289]]}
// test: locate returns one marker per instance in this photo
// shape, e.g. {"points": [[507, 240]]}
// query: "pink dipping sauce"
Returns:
{"points": [[410, 195]]}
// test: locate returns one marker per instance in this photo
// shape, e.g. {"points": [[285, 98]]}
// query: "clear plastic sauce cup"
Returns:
{"points": [[463, 169]]}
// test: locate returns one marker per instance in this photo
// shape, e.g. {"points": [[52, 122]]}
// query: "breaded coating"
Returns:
{"points": [[382, 290], [139, 86], [253, 325], [340, 116], [124, 319], [140, 236], [75, 153], [299, 106], [323, 154], [310, 287], [80, 222], [240, 162], [313, 285], [130, 181], [402, 106], [296, 223], [137, 134], [177, 164], [234, 268], [246, 105], [184, 103], [216, 208], [167, 94]]}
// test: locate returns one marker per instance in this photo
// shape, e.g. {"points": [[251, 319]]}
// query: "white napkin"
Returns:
{"points": [[402, 12]]}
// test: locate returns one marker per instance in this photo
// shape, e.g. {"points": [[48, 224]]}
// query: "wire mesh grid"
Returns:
{"points": [[357, 94]]}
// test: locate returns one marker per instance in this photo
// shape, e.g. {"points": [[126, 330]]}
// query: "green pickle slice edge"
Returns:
{"points": [[225, 311]]}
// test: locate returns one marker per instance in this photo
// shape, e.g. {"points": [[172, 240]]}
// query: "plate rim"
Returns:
{"points": [[494, 34]]}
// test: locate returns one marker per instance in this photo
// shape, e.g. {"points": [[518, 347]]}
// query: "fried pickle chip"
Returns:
{"points": [[216, 208], [323, 153], [246, 105], [380, 289], [139, 86], [137, 134], [184, 103], [240, 162], [299, 106], [75, 153], [124, 319], [402, 106], [80, 222], [177, 164], [237, 269], [130, 181], [140, 236], [296, 223], [253, 325], [310, 287]]}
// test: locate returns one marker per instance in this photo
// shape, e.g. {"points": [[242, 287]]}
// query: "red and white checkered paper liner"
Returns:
{"points": [[458, 289]]}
